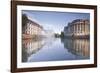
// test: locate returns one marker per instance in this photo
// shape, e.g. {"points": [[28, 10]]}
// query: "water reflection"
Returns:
{"points": [[77, 46], [55, 49], [31, 46]]}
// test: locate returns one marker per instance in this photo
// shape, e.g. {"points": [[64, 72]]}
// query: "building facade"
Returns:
{"points": [[31, 29], [78, 28]]}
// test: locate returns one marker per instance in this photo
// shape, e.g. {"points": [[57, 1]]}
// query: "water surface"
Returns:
{"points": [[55, 49]]}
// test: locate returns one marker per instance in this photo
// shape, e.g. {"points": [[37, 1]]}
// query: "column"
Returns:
{"points": [[85, 28], [76, 28], [88, 28], [79, 28], [82, 28]]}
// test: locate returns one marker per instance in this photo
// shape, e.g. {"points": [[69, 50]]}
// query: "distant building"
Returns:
{"points": [[31, 29], [77, 28]]}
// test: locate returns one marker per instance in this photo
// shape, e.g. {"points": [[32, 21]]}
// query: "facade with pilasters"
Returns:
{"points": [[78, 28]]}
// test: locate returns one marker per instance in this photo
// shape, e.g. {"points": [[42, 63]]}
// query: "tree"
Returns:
{"points": [[62, 34], [24, 20]]}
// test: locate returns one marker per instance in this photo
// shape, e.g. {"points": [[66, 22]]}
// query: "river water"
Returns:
{"points": [[55, 49]]}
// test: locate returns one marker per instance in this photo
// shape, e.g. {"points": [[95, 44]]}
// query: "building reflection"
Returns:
{"points": [[80, 47], [30, 47]]}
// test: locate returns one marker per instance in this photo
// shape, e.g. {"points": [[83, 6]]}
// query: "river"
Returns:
{"points": [[55, 49]]}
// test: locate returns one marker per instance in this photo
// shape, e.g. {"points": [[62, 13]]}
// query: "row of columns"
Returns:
{"points": [[78, 28]]}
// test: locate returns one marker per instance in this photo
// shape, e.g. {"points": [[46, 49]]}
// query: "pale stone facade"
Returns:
{"points": [[77, 28], [31, 29]]}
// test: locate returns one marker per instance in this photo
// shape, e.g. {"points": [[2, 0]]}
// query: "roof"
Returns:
{"points": [[80, 20]]}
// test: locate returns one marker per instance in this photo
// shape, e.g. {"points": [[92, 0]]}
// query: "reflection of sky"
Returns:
{"points": [[55, 50], [54, 20]]}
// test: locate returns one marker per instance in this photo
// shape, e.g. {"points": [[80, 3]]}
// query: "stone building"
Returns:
{"points": [[78, 28], [31, 29]]}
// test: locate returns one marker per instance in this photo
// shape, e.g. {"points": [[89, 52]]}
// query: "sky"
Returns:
{"points": [[54, 21]]}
